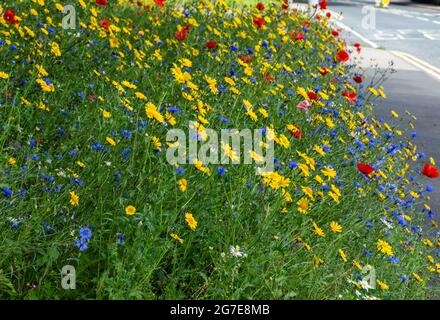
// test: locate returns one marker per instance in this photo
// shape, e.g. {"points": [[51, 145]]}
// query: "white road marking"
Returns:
{"points": [[423, 19], [357, 34], [437, 22], [422, 65]]}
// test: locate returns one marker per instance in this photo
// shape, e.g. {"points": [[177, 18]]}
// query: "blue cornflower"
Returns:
{"points": [[121, 239], [85, 233], [292, 165], [7, 192]]}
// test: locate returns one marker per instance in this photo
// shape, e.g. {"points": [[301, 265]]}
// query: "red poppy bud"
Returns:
{"points": [[357, 79], [260, 6]]}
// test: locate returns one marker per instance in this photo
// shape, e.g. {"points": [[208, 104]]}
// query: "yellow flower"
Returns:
{"points": [[304, 169], [152, 113], [303, 205], [156, 142], [130, 210], [176, 237], [343, 255], [4, 75], [183, 184], [417, 277], [106, 114], [111, 141], [12, 161], [140, 95], [317, 230], [336, 227], [384, 247], [382, 285], [55, 49], [329, 172], [74, 198], [192, 223]]}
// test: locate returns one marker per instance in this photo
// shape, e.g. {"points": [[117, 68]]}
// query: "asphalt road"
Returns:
{"points": [[404, 26]]}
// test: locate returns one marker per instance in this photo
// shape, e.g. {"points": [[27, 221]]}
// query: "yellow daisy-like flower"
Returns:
{"points": [[130, 210], [336, 227], [183, 184], [343, 255], [192, 222], [303, 205], [176, 237], [317, 230], [111, 141], [4, 75], [74, 198], [329, 172], [384, 247], [382, 285], [106, 114]]}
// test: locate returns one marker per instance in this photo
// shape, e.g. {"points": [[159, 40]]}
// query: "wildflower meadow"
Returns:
{"points": [[333, 202]]}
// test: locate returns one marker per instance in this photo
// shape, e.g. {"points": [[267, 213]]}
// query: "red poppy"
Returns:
{"points": [[139, 4], [285, 6], [101, 2], [323, 71], [357, 79], [366, 169], [9, 16], [430, 171], [186, 28], [259, 22], [312, 95], [358, 47], [328, 14], [351, 96], [296, 132], [159, 3], [260, 6], [211, 44], [343, 56], [335, 33], [299, 37], [104, 24], [246, 59], [307, 24], [323, 4], [267, 77], [181, 35]]}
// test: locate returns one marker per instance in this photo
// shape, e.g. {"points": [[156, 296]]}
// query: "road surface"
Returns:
{"points": [[404, 26]]}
